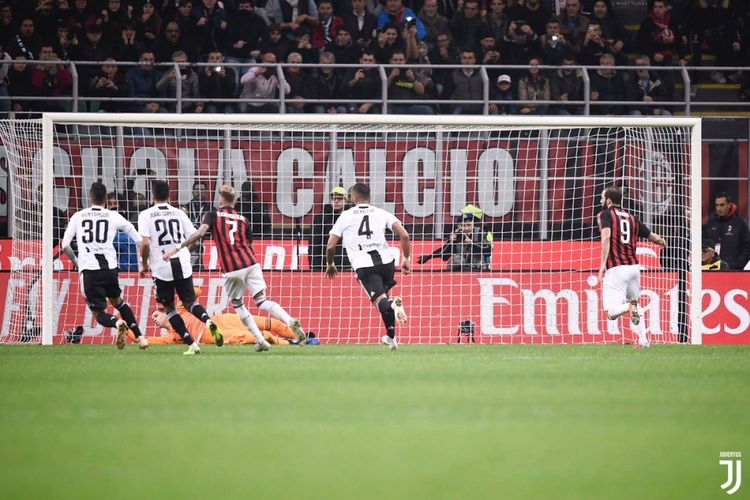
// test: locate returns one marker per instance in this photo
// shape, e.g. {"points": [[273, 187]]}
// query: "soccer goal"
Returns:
{"points": [[501, 213]]}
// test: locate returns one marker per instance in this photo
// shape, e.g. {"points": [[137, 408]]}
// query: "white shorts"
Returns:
{"points": [[621, 284], [249, 278]]}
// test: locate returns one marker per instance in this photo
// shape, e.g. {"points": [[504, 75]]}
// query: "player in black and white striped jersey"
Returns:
{"points": [[94, 229], [163, 226], [362, 228]]}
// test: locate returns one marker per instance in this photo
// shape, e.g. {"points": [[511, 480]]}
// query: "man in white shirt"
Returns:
{"points": [[362, 229], [162, 227], [94, 229]]}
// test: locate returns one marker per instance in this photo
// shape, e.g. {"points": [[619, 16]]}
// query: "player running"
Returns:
{"points": [[232, 235], [362, 228], [619, 266], [94, 229], [162, 226]]}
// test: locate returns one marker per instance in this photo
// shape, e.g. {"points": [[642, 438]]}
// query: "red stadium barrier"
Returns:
{"points": [[550, 307]]}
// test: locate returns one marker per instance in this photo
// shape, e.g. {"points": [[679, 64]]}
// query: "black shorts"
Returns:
{"points": [[98, 286], [165, 291], [377, 280]]}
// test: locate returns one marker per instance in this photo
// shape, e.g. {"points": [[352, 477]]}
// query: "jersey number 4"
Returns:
{"points": [[94, 231], [364, 227], [168, 227]]}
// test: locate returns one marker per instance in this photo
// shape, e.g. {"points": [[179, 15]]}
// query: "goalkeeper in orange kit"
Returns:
{"points": [[232, 328]]}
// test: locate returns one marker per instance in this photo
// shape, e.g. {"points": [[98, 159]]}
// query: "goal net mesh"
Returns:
{"points": [[530, 195]]}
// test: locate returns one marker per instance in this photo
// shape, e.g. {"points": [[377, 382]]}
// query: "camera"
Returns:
{"points": [[520, 24], [410, 21], [555, 38], [218, 69]]}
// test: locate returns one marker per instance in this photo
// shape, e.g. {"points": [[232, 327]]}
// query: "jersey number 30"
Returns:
{"points": [[94, 231]]}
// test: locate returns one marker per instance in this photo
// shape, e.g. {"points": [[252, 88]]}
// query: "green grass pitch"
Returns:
{"points": [[360, 422]]}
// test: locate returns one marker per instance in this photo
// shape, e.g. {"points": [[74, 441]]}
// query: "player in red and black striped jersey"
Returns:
{"points": [[232, 235], [619, 270]]}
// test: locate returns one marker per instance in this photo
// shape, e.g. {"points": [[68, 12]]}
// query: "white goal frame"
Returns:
{"points": [[49, 120]]}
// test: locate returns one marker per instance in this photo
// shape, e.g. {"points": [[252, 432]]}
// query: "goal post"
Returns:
{"points": [[534, 181]]}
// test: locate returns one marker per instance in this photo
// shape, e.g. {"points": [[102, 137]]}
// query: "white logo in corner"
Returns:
{"points": [[733, 462]]}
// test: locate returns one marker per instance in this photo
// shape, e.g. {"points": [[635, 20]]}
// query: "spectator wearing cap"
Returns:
{"points": [[92, 48], [730, 233], [710, 260], [503, 91], [321, 225], [469, 245], [531, 13]]}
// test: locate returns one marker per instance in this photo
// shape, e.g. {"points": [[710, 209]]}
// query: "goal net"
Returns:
{"points": [[501, 213]]}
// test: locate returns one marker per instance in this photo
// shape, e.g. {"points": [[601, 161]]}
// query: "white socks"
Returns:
{"points": [[276, 310], [249, 322]]}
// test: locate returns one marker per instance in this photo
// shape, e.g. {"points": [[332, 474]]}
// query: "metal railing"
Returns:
{"points": [[79, 94]]}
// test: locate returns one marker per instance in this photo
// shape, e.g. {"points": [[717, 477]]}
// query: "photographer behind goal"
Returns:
{"points": [[469, 245]]}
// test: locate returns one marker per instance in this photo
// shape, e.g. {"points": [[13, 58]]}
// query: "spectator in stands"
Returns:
{"points": [[114, 16], [255, 211], [321, 225], [276, 43], [217, 81], [388, 40], [109, 82], [90, 49], [465, 84], [147, 24], [245, 33], [468, 247], [613, 31], [566, 84], [520, 45], [293, 15], [573, 24], [8, 25], [184, 18], [593, 46], [534, 87], [81, 17], [327, 84], [127, 251], [404, 84], [363, 84], [488, 48], [46, 20], [5, 64], [343, 48], [142, 80], [170, 41], [554, 44], [395, 13], [199, 205], [503, 91], [531, 12], [659, 38], [50, 80], [261, 82], [19, 84], [433, 22], [607, 84], [129, 48], [444, 52], [645, 86], [25, 42], [497, 19], [167, 85], [713, 26], [710, 260], [299, 83], [305, 48], [729, 231], [66, 44], [360, 23], [210, 21], [466, 25], [328, 25]]}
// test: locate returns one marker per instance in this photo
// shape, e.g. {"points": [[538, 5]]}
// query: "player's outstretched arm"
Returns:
{"points": [[405, 241], [189, 241], [655, 238], [331, 270]]}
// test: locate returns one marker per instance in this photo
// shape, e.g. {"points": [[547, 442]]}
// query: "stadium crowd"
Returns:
{"points": [[495, 33]]}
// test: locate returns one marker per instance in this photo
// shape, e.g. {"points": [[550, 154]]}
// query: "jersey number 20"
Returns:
{"points": [[168, 227]]}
